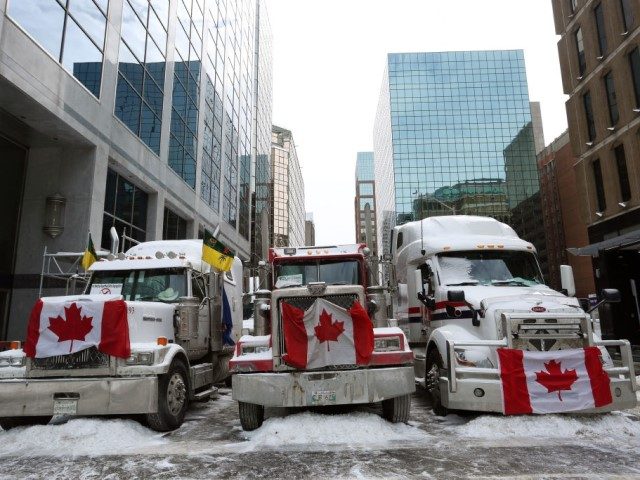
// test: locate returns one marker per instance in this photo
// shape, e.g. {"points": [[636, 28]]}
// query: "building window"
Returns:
{"points": [[174, 227], [125, 207], [627, 14], [588, 113], [634, 64], [612, 103], [582, 64], [186, 91], [623, 174], [601, 202], [600, 29], [73, 34], [141, 67]]}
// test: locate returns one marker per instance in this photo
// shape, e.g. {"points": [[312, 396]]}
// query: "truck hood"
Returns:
{"points": [[147, 320], [518, 298]]}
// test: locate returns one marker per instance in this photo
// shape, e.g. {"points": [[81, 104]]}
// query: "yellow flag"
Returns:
{"points": [[89, 256], [216, 254]]}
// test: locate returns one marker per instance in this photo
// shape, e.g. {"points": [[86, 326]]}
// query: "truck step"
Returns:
{"points": [[205, 394]]}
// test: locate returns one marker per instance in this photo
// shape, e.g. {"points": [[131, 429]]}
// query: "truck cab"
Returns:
{"points": [[182, 322], [465, 286], [319, 306]]}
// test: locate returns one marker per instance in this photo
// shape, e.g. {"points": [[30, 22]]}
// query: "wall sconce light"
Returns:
{"points": [[54, 215]]}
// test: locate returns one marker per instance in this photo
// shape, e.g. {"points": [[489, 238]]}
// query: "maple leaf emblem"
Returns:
{"points": [[554, 379], [328, 330], [73, 328]]}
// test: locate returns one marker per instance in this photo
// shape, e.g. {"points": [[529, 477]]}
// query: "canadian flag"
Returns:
{"points": [[553, 381], [64, 327], [326, 334]]}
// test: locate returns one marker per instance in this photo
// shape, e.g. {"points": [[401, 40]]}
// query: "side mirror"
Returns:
{"points": [[456, 296], [567, 281], [428, 302], [611, 295]]}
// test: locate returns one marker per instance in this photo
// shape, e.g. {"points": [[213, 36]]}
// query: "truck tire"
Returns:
{"points": [[433, 371], [251, 415], [396, 410], [173, 398], [7, 423]]}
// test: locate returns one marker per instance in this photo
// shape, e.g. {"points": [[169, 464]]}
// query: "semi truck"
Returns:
{"points": [[178, 323], [464, 287], [321, 337]]}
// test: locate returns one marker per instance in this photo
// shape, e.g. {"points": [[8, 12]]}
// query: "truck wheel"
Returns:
{"points": [[251, 415], [396, 410], [7, 423], [433, 370], [173, 399]]}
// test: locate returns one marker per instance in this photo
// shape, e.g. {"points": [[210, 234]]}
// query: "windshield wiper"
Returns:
{"points": [[514, 282], [462, 284]]}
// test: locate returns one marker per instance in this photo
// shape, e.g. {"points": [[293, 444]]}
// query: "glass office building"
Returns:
{"points": [[287, 207], [454, 135], [144, 115], [365, 201]]}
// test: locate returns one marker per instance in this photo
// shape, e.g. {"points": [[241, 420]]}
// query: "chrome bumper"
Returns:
{"points": [[95, 396], [343, 387], [464, 397]]}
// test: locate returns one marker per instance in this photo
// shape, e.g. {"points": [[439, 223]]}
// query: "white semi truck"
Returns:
{"points": [[463, 286], [314, 344], [181, 331]]}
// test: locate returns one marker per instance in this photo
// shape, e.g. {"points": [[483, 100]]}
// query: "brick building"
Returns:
{"points": [[600, 63]]}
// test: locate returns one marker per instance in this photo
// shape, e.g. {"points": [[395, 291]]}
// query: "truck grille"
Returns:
{"points": [[88, 358], [345, 301]]}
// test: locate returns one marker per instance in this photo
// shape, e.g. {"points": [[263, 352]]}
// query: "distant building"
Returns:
{"points": [[309, 231], [599, 51], [454, 134], [288, 191], [560, 202], [365, 202]]}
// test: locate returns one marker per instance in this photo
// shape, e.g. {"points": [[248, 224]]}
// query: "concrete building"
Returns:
{"points": [[599, 50], [124, 113], [454, 133], [365, 202], [309, 230], [560, 202], [288, 191]]}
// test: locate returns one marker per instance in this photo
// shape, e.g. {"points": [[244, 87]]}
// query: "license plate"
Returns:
{"points": [[65, 407], [323, 397]]}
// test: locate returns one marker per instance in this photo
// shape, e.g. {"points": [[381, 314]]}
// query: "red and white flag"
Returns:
{"points": [[553, 381], [63, 327], [326, 334]]}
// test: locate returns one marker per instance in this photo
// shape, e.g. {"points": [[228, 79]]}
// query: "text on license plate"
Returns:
{"points": [[65, 407], [323, 396]]}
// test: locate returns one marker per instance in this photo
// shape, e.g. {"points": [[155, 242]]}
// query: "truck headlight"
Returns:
{"points": [[246, 349], [386, 344], [12, 361], [140, 358], [478, 362]]}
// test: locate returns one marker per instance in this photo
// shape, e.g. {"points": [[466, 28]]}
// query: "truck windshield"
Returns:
{"points": [[489, 267], [153, 285], [339, 272]]}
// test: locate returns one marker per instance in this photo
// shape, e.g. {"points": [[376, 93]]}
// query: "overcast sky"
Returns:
{"points": [[328, 61]]}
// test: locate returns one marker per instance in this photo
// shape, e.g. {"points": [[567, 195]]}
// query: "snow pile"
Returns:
{"points": [[358, 429], [79, 437], [552, 426]]}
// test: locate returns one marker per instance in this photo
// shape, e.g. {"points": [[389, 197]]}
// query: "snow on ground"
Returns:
{"points": [[599, 427], [83, 436], [358, 430]]}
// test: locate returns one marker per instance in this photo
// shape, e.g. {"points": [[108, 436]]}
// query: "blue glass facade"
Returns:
{"points": [[72, 32], [365, 201], [454, 134]]}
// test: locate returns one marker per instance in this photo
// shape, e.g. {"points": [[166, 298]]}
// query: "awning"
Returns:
{"points": [[622, 241]]}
